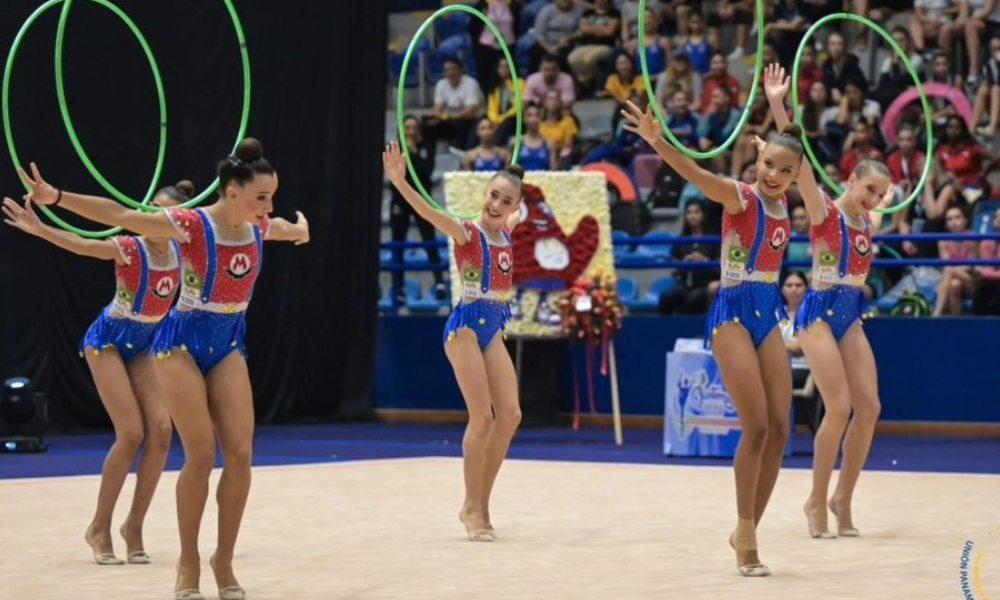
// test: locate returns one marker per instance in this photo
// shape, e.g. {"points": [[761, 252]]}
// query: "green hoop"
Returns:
{"points": [[402, 89], [929, 158], [59, 86], [63, 107], [758, 69]]}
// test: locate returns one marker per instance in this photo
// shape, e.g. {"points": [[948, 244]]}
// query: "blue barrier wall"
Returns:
{"points": [[929, 369]]}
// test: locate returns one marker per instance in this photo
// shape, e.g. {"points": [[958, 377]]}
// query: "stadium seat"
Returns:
{"points": [[650, 301]]}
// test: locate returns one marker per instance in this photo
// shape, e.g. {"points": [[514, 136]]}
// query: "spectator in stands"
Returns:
{"points": [[799, 250], [716, 127], [741, 14], [625, 145], [988, 94], [970, 23], [600, 28], [458, 100], [718, 76], [961, 156], [793, 290], [758, 123], [630, 20], [679, 76], [840, 67], [500, 106], [748, 174], [625, 81], [677, 14], [882, 12], [486, 49], [699, 44], [786, 28], [854, 106], [536, 154], [557, 26], [986, 299], [814, 10], [818, 111], [956, 280], [810, 72], [894, 78], [657, 47], [906, 163], [696, 287], [832, 171], [558, 128], [682, 122], [400, 211], [550, 77], [941, 72], [858, 147], [486, 156], [930, 20], [926, 215]]}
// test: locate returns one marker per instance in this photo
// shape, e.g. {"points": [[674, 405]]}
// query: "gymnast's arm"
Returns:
{"points": [[717, 189], [776, 85], [101, 210], [27, 221], [394, 163], [281, 230]]}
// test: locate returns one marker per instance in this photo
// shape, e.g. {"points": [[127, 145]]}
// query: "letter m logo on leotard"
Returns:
{"points": [[239, 266], [164, 287]]}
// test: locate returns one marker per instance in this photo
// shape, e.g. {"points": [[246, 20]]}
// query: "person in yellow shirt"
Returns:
{"points": [[559, 128], [500, 104], [624, 81]]}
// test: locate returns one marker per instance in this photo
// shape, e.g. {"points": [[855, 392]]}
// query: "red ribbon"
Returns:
{"points": [[593, 327]]}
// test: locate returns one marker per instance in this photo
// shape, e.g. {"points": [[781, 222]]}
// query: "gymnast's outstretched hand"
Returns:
{"points": [[24, 218], [41, 191], [642, 123]]}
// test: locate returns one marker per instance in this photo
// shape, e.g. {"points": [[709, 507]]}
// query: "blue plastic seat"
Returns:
{"points": [[451, 24], [658, 252], [414, 255], [627, 288], [650, 301], [416, 302]]}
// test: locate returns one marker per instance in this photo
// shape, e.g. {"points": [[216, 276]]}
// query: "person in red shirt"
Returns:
{"points": [[906, 164], [718, 77], [858, 147], [960, 154]]}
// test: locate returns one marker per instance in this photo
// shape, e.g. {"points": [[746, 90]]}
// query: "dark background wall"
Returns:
{"points": [[318, 105]]}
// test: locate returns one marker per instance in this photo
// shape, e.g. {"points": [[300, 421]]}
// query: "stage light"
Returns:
{"points": [[23, 417]]}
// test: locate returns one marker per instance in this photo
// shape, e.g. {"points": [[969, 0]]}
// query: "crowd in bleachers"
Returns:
{"points": [[700, 55]]}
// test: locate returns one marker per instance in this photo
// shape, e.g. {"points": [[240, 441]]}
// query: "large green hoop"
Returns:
{"points": [[244, 116], [402, 90], [929, 158], [758, 69], [6, 105]]}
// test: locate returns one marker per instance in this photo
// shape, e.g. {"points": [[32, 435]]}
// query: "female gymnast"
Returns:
{"points": [[828, 324], [147, 274], [473, 341], [742, 327], [202, 368]]}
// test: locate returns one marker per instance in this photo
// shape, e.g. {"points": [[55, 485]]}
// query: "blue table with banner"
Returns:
{"points": [[700, 419]]}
